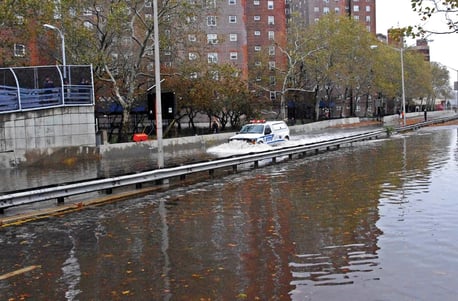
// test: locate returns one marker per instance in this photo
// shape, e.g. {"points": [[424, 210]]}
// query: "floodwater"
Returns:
{"points": [[375, 221]]}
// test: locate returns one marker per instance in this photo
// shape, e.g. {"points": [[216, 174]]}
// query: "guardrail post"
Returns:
{"points": [[234, 168], [60, 200], [138, 186]]}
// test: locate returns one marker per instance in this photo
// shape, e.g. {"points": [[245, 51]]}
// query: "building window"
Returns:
{"points": [[272, 80], [20, 20], [337, 10], [233, 55], [257, 33], [192, 38], [271, 50], [257, 18], [212, 57], [368, 8], [232, 2], [270, 5], [272, 65], [88, 25], [368, 19], [356, 18], [212, 38], [325, 10], [257, 48], [316, 9], [210, 3], [233, 37], [271, 35], [211, 20], [192, 56], [258, 63], [271, 20], [256, 2], [87, 12], [273, 95], [19, 50], [356, 8], [232, 19], [148, 3], [191, 19]]}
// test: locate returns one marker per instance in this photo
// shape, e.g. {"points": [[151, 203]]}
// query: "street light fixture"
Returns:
{"points": [[401, 50], [62, 37]]}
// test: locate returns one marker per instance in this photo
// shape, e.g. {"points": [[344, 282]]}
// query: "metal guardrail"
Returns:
{"points": [[60, 192]]}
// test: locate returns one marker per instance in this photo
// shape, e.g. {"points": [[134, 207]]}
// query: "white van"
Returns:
{"points": [[261, 131]]}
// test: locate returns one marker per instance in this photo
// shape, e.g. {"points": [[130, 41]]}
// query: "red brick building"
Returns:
{"points": [[361, 10]]}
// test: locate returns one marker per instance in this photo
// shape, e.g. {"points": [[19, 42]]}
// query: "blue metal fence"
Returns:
{"points": [[41, 87]]}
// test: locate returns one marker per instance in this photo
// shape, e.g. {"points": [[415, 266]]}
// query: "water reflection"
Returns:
{"points": [[372, 222]]}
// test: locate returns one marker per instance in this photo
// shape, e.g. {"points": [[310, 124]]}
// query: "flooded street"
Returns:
{"points": [[376, 221]]}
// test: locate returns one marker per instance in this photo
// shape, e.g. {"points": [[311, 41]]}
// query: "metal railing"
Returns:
{"points": [[20, 88], [62, 191]]}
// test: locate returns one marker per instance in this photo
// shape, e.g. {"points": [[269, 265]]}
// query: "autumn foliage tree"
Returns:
{"points": [[445, 11]]}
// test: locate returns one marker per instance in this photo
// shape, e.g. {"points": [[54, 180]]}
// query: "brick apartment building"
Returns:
{"points": [[361, 10], [239, 31], [251, 27]]}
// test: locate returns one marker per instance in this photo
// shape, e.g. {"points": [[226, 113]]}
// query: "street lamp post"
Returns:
{"points": [[401, 50], [157, 76], [62, 37], [403, 86], [455, 86]]}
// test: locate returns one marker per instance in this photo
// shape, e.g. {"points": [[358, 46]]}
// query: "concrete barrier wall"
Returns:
{"points": [[174, 145], [81, 139], [394, 120], [24, 135]]}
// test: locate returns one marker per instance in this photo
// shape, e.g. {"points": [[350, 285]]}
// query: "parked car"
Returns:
{"points": [[261, 131]]}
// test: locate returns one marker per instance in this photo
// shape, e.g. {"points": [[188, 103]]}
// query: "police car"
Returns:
{"points": [[261, 131]]}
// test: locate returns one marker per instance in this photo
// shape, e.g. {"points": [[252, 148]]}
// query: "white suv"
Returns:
{"points": [[261, 131]]}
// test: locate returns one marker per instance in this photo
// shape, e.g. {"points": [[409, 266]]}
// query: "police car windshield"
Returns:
{"points": [[252, 129]]}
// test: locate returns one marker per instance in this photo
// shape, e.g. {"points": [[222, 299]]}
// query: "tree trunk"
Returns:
{"points": [[124, 132]]}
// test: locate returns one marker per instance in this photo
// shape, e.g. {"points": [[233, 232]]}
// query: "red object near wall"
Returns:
{"points": [[140, 137]]}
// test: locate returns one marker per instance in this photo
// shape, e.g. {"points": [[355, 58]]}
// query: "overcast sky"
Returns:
{"points": [[443, 48]]}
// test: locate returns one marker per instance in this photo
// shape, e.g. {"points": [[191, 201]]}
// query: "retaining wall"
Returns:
{"points": [[25, 137]]}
